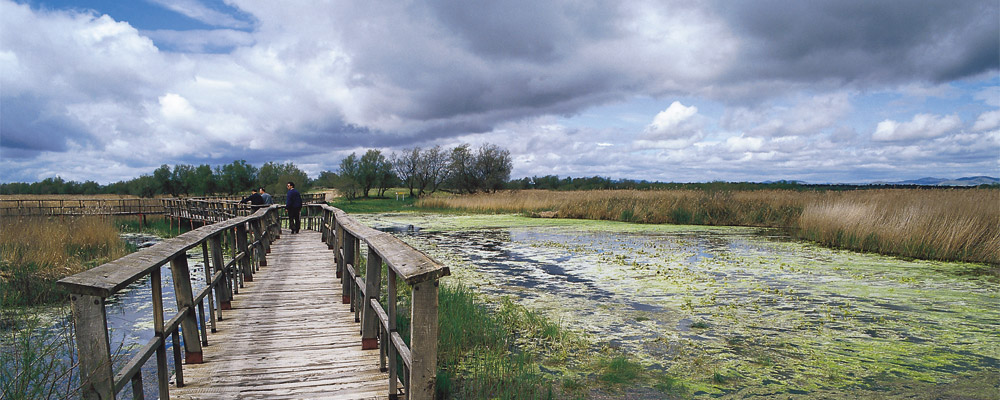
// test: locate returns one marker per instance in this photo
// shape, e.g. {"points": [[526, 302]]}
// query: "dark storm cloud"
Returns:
{"points": [[525, 29], [866, 41], [30, 125]]}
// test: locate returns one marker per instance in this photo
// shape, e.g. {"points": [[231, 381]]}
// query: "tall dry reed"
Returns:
{"points": [[955, 224], [37, 251], [945, 224], [748, 208]]}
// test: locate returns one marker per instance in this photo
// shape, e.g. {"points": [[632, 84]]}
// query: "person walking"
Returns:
{"points": [[268, 200], [293, 203]]}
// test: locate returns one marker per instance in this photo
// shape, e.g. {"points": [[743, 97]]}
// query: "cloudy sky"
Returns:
{"points": [[818, 91]]}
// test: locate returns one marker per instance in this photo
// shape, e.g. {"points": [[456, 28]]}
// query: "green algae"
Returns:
{"points": [[735, 311]]}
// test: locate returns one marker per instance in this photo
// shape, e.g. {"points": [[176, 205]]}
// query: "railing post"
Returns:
{"points": [[241, 247], [350, 257], [185, 298], [162, 378], [93, 347], [258, 233], [391, 314], [423, 340], [373, 286], [339, 252], [324, 231], [224, 290]]}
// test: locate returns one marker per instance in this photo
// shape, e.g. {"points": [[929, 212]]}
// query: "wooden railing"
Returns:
{"points": [[250, 236], [59, 207], [344, 235]]}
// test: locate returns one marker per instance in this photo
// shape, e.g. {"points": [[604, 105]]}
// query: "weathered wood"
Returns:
{"points": [[286, 338], [162, 378], [185, 299], [423, 339], [406, 261], [93, 347]]}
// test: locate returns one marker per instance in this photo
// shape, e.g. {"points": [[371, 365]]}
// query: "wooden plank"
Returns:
{"points": [[288, 336]]}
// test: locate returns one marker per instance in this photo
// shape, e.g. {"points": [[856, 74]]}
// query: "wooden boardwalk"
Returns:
{"points": [[288, 335]]}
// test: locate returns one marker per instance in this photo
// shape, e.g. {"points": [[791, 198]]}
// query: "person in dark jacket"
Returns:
{"points": [[293, 203], [254, 199]]}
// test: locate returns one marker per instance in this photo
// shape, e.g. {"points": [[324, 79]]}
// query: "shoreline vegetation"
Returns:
{"points": [[940, 224]]}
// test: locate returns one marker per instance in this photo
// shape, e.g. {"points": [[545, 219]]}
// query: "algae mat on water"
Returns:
{"points": [[736, 311]]}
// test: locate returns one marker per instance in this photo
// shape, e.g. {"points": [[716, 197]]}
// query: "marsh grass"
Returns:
{"points": [[939, 224], [37, 251], [37, 361], [486, 353]]}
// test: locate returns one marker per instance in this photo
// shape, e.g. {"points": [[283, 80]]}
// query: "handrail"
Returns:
{"points": [[344, 236], [90, 289], [80, 206], [340, 232]]}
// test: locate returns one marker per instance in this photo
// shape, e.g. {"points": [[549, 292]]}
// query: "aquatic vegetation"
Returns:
{"points": [[734, 311], [940, 224]]}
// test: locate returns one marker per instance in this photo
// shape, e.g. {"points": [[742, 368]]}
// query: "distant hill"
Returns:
{"points": [[966, 181]]}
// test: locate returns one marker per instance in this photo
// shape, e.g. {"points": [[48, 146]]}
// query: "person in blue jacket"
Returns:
{"points": [[293, 203]]}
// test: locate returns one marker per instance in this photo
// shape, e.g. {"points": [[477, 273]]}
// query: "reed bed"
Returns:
{"points": [[37, 251], [959, 225], [942, 224]]}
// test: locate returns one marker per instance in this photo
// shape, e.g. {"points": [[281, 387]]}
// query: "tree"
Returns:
{"points": [[326, 179], [163, 181], [433, 169], [273, 177], [203, 181], [461, 170], [492, 167], [349, 176], [407, 166], [182, 179], [236, 177], [374, 171]]}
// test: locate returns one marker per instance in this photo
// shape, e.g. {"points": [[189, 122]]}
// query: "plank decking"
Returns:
{"points": [[288, 336]]}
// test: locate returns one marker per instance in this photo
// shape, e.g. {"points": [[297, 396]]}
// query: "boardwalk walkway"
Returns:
{"points": [[288, 336]]}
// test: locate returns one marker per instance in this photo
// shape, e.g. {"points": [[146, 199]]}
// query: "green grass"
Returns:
{"points": [[374, 204]]}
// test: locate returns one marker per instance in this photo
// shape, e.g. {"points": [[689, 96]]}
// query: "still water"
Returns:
{"points": [[736, 311]]}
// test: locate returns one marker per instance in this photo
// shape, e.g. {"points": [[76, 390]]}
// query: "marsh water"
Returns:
{"points": [[735, 311], [129, 318]]}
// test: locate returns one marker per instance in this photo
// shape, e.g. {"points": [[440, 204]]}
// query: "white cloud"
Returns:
{"points": [[674, 122], [922, 126], [987, 120], [196, 10]]}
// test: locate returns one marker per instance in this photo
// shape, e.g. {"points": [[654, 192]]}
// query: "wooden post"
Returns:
{"points": [[208, 281], [242, 247], [185, 298], [162, 377], [423, 340], [338, 253], [224, 291], [373, 285], [391, 314], [258, 233], [350, 257], [94, 347]]}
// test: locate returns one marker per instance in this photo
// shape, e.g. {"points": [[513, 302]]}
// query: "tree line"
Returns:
{"points": [[425, 171], [422, 171], [234, 178]]}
